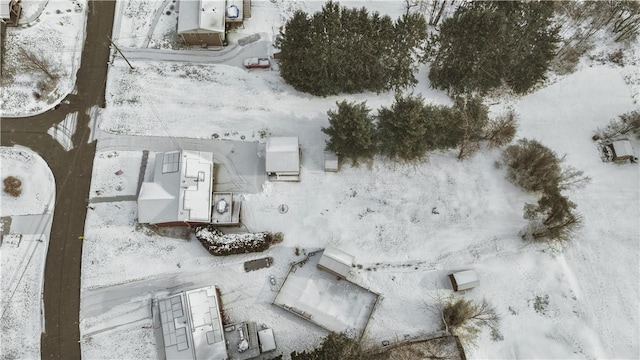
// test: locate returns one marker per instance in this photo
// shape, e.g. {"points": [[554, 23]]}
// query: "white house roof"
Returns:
{"points": [[201, 16], [267, 341], [336, 260], [282, 155], [181, 191]]}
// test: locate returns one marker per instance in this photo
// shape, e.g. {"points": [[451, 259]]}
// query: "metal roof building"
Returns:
{"points": [[283, 158], [181, 191], [336, 261], [464, 280], [191, 325]]}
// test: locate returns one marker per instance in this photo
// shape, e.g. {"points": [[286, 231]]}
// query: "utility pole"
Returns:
{"points": [[118, 49]]}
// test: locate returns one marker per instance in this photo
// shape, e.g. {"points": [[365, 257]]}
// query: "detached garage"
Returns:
{"points": [[283, 159]]}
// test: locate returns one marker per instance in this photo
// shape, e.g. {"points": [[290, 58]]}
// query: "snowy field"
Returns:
{"points": [[23, 251], [52, 36], [555, 302], [408, 226]]}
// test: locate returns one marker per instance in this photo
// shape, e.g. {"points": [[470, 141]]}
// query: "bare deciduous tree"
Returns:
{"points": [[466, 318], [38, 62], [624, 124]]}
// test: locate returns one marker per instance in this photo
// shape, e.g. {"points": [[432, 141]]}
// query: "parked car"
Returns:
{"points": [[257, 63]]}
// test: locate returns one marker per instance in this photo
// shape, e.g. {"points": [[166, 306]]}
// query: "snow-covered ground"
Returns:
{"points": [[555, 303], [23, 250], [578, 301], [54, 37], [575, 301]]}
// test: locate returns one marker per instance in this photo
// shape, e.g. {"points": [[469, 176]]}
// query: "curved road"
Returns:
{"points": [[72, 172]]}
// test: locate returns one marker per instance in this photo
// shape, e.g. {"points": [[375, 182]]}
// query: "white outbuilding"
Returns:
{"points": [[463, 280], [331, 162], [266, 340], [283, 159], [336, 261]]}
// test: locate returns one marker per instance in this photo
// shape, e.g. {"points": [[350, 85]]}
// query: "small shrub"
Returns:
{"points": [[540, 303], [617, 57], [12, 186]]}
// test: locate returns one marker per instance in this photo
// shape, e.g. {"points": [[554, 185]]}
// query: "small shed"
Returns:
{"points": [[330, 162], [463, 280], [283, 159], [266, 340], [336, 261], [622, 150]]}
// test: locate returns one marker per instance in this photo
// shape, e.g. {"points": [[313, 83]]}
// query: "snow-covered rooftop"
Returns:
{"points": [[319, 297], [201, 16], [192, 325], [622, 148], [181, 189], [282, 155], [466, 279], [336, 260]]}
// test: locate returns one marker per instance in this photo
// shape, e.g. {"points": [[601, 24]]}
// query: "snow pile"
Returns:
{"points": [[220, 244]]}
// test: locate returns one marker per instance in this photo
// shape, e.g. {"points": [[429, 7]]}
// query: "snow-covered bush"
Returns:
{"points": [[220, 244]]}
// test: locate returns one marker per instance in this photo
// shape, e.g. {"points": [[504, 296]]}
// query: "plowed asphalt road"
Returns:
{"points": [[72, 172]]}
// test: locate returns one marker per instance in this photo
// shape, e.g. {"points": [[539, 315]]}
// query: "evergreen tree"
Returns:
{"points": [[351, 131], [342, 50], [296, 51], [501, 130], [486, 44], [532, 165], [406, 50], [402, 129], [553, 219], [334, 346], [444, 128]]}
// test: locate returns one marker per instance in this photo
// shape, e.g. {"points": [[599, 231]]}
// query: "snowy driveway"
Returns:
{"points": [[239, 166], [232, 55]]}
